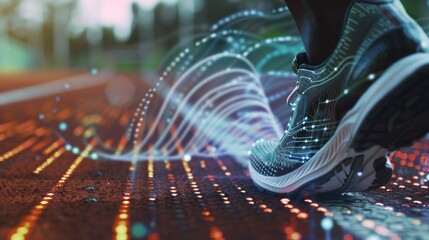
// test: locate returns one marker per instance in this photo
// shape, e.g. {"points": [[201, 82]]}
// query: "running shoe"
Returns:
{"points": [[368, 98]]}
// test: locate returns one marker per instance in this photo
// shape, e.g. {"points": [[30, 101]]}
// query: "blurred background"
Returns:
{"points": [[125, 35]]}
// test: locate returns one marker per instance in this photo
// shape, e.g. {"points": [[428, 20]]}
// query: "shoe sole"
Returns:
{"points": [[356, 152]]}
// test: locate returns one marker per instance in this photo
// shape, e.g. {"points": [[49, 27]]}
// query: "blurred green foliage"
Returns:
{"points": [[417, 9], [138, 52]]}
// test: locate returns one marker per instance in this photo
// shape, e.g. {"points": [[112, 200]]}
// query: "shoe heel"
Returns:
{"points": [[401, 117], [383, 173]]}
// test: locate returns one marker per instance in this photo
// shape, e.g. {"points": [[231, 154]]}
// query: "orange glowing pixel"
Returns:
{"points": [[28, 223], [23, 146], [49, 161], [121, 226], [52, 147]]}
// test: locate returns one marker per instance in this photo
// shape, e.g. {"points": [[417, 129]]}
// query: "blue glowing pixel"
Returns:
{"points": [[69, 147], [94, 71], [139, 230], [94, 156], [76, 150], [187, 158], [63, 126], [327, 224], [374, 237]]}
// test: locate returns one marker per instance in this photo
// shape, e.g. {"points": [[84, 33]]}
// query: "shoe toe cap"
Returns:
{"points": [[261, 153]]}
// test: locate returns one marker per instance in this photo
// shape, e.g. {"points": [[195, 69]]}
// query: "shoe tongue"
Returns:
{"points": [[300, 58]]}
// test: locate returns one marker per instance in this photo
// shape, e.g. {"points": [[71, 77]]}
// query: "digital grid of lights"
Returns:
{"points": [[206, 105]]}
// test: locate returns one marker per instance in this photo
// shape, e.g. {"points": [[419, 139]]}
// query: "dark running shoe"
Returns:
{"points": [[369, 98]]}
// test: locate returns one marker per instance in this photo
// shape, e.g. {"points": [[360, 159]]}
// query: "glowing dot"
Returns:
{"points": [[94, 156], [346, 91], [360, 174], [187, 158], [63, 126], [76, 150], [121, 229], [94, 71], [22, 230], [327, 101], [295, 235], [139, 230], [41, 116], [373, 237], [427, 177], [325, 129], [68, 147], [327, 224], [336, 69], [371, 76]]}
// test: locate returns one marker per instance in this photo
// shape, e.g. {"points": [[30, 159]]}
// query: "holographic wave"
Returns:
{"points": [[220, 94]]}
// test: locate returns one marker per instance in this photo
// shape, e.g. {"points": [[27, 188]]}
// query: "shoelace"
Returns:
{"points": [[295, 68], [292, 94]]}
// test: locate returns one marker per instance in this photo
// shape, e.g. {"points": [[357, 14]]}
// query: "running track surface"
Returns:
{"points": [[47, 192]]}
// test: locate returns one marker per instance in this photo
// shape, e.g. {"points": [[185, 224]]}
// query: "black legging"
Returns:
{"points": [[320, 23]]}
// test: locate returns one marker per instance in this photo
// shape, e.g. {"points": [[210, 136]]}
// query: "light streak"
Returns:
{"points": [[49, 161], [52, 147], [76, 82], [28, 223], [218, 90], [121, 227], [23, 146], [122, 224]]}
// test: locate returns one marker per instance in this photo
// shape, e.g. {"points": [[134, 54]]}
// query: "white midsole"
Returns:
{"points": [[338, 147]]}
